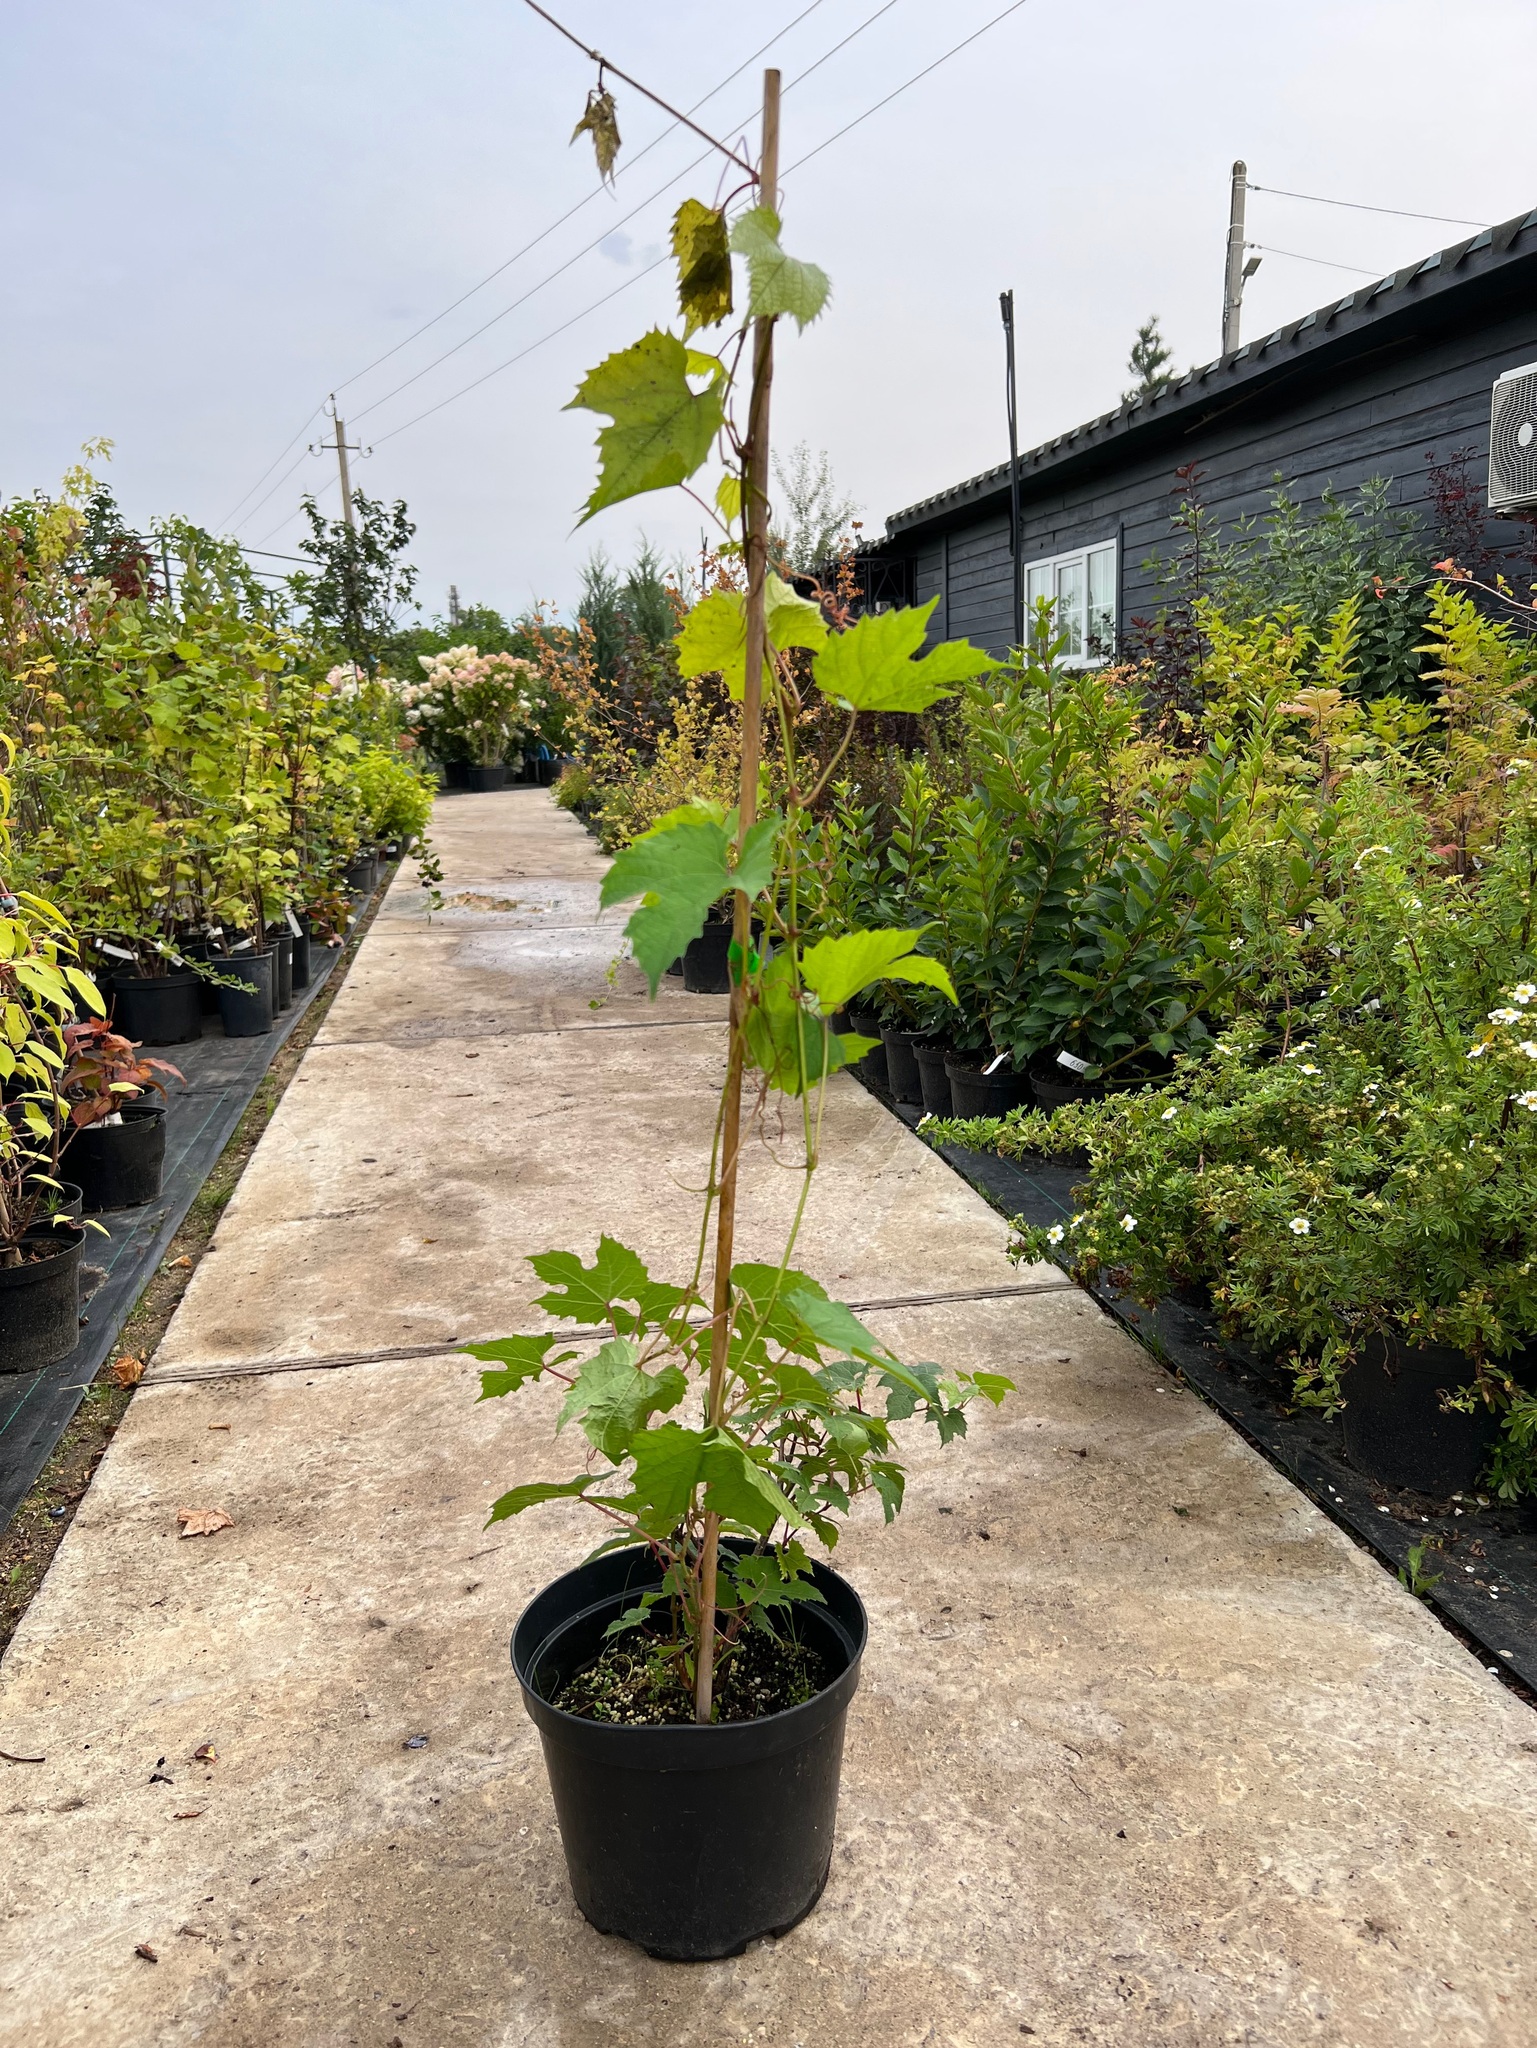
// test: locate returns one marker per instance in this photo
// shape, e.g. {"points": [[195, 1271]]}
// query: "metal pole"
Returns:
{"points": [[341, 461], [1232, 285], [1017, 610]]}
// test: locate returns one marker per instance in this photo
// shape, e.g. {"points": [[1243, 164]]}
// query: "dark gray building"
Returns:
{"points": [[1369, 385]]}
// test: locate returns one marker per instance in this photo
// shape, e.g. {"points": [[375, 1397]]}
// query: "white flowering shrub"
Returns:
{"points": [[471, 706]]}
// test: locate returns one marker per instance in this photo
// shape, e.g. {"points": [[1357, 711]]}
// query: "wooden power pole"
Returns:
{"points": [[1232, 284]]}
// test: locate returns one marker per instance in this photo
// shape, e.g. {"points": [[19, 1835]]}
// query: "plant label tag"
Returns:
{"points": [[293, 926], [993, 1065], [244, 946], [1071, 1061], [117, 952]]}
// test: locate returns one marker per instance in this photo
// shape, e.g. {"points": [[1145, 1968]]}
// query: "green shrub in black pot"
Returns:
{"points": [[690, 1681]]}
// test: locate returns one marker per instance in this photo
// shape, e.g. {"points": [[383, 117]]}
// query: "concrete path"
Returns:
{"points": [[1146, 1752]]}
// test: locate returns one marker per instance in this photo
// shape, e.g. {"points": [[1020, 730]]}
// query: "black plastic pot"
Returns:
{"points": [[932, 1078], [901, 1065], [119, 1166], [40, 1300], [689, 1841], [64, 1200], [202, 950], [301, 967], [361, 875], [975, 1093], [872, 1068], [247, 1010], [1054, 1087], [281, 946], [455, 774], [545, 767], [705, 967], [158, 1009], [1395, 1429], [485, 778]]}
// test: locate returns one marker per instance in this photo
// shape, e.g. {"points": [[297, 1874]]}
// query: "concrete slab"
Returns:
{"points": [[1146, 1753]]}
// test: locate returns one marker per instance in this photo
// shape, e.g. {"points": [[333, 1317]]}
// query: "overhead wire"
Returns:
{"points": [[496, 371], [1297, 257], [1356, 206], [271, 466], [598, 241]]}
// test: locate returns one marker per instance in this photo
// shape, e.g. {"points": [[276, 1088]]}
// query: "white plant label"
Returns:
{"points": [[993, 1065], [1071, 1061], [117, 952], [293, 922]]}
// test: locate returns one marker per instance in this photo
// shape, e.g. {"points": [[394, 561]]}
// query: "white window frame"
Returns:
{"points": [[1043, 577]]}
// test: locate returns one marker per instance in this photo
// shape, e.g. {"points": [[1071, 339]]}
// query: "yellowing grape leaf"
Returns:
{"points": [[703, 250]]}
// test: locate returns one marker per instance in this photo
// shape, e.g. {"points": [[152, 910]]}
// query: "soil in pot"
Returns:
{"points": [[483, 778], [932, 1077], [40, 1299], [689, 1841], [902, 1074], [119, 1166], [628, 1683], [158, 1009], [974, 1092], [246, 1008], [1395, 1428]]}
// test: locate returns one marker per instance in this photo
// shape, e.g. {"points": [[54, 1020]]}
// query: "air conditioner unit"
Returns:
{"points": [[1513, 440]]}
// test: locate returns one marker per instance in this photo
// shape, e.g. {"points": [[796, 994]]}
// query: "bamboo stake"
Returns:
{"points": [[756, 500]]}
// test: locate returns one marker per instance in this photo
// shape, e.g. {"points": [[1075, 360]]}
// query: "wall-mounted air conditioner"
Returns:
{"points": [[1513, 440]]}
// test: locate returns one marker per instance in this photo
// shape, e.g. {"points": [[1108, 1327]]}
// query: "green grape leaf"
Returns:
{"points": [[833, 1322], [672, 1462], [788, 1042], [520, 1360], [713, 639], [870, 667], [614, 1397], [595, 1294], [776, 283], [835, 970], [531, 1496], [703, 251], [679, 868], [728, 497], [662, 428], [992, 1385]]}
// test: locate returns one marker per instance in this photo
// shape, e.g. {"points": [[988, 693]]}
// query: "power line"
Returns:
{"points": [[1313, 198], [302, 456], [571, 212], [953, 51], [1297, 257], [598, 241], [271, 466], [465, 389]]}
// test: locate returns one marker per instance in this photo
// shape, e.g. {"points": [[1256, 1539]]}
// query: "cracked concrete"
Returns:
{"points": [[1146, 1752]]}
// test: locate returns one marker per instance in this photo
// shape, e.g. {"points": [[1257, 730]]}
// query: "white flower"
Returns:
{"points": [[1529, 1047], [1504, 1016], [1299, 1226], [1528, 1098], [1056, 1234], [1524, 992], [1307, 1067], [1169, 1115], [1235, 945], [1081, 1217], [1128, 1221], [1476, 1052]]}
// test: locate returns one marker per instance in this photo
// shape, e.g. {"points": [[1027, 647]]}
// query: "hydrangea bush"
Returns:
{"points": [[471, 706]]}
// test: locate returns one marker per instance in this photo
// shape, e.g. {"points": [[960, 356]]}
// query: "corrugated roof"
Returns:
{"points": [[1448, 270]]}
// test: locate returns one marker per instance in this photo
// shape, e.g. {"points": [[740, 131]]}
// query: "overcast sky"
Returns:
{"points": [[213, 214]]}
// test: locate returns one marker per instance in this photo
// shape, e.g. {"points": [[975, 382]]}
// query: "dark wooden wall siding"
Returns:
{"points": [[1382, 419]]}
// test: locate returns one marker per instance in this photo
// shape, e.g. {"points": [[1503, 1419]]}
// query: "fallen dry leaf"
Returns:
{"points": [[127, 1372], [205, 1753], [192, 1813], [184, 1263], [203, 1521], [143, 1949]]}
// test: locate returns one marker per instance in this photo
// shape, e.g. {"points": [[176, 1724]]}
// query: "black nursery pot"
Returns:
{"points": [[484, 779], [40, 1300], [301, 959], [901, 1064], [158, 1009], [119, 1166], [64, 1200], [705, 967], [361, 875], [689, 1841], [872, 1069], [281, 945], [932, 1076], [247, 1010], [456, 774], [973, 1093], [1395, 1430], [1054, 1087]]}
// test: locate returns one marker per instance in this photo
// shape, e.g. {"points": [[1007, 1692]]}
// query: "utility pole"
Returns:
{"points": [[453, 606], [1017, 614], [343, 448], [1233, 279]]}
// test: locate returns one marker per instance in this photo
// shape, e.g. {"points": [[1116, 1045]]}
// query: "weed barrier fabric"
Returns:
{"points": [[222, 1075], [1487, 1586]]}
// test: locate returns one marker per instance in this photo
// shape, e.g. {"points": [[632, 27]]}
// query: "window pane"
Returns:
{"points": [[1069, 618], [1102, 620], [1038, 584]]}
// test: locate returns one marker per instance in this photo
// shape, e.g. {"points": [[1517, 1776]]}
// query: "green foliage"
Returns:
{"points": [[777, 283], [662, 429], [713, 639], [702, 246], [396, 799], [351, 598], [871, 667], [681, 867]]}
